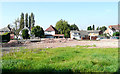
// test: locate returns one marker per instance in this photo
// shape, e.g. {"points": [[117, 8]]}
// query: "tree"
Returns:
{"points": [[98, 28], [89, 28], [38, 31], [29, 22], [26, 19], [63, 28], [32, 20], [103, 28], [74, 27], [116, 34], [22, 21], [25, 34], [16, 29], [93, 28]]}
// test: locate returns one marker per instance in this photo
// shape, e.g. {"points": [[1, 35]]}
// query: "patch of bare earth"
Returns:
{"points": [[53, 43]]}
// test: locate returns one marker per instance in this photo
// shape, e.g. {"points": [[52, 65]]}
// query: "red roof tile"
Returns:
{"points": [[51, 28], [117, 27]]}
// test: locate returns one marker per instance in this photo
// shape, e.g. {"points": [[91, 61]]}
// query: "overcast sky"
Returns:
{"points": [[83, 14]]}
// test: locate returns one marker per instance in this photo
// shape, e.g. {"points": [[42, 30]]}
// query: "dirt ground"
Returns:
{"points": [[105, 43], [54, 43]]}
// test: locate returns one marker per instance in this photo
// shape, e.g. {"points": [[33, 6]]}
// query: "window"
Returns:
{"points": [[75, 33]]}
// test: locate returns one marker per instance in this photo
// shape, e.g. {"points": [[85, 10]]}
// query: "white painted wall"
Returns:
{"points": [[49, 32], [75, 35], [23, 29], [110, 32]]}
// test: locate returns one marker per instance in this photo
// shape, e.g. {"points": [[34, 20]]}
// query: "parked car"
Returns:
{"points": [[114, 37], [98, 39]]}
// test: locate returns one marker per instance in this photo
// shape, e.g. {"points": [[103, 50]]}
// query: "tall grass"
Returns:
{"points": [[62, 59]]}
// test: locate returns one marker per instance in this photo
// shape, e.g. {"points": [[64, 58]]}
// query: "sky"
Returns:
{"points": [[83, 14]]}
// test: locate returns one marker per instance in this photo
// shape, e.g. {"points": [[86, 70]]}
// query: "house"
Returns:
{"points": [[20, 33], [80, 35], [112, 29], [84, 34], [93, 34], [51, 32], [4, 30]]}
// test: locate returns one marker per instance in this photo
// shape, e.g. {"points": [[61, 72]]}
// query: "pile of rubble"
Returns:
{"points": [[15, 43], [54, 40], [12, 43]]}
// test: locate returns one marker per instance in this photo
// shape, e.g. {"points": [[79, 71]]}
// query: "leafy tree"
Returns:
{"points": [[25, 34], [89, 28], [22, 21], [116, 34], [26, 19], [74, 27], [32, 20], [93, 28], [63, 28], [103, 28], [38, 31]]}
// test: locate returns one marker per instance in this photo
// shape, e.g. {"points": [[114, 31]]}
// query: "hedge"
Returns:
{"points": [[5, 37]]}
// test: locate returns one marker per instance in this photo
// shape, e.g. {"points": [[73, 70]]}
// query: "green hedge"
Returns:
{"points": [[5, 37]]}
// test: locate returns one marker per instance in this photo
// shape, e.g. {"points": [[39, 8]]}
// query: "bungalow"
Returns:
{"points": [[51, 32], [112, 29]]}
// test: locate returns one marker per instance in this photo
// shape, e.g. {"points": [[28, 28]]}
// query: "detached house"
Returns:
{"points": [[20, 33], [4, 30], [112, 29], [51, 32], [80, 35], [93, 34], [85, 35]]}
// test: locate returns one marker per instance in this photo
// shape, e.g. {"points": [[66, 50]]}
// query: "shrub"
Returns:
{"points": [[116, 34], [25, 34]]}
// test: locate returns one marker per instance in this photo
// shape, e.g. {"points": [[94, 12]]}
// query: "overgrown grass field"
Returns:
{"points": [[62, 59]]}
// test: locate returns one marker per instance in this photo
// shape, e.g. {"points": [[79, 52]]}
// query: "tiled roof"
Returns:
{"points": [[51, 28], [116, 27], [4, 29], [82, 32]]}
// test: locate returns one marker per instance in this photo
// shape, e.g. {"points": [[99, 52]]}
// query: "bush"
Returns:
{"points": [[38, 31], [116, 34], [5, 37], [25, 34]]}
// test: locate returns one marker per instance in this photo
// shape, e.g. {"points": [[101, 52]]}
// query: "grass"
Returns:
{"points": [[62, 59]]}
